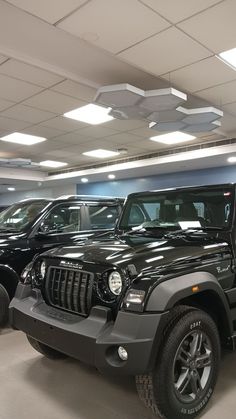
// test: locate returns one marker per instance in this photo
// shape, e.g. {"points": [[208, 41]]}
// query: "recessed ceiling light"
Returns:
{"points": [[25, 139], [91, 114], [111, 176], [52, 163], [11, 189], [84, 180], [228, 57], [232, 159], [101, 154], [173, 138]]}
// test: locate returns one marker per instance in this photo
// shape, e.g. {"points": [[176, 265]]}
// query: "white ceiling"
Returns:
{"points": [[54, 54]]}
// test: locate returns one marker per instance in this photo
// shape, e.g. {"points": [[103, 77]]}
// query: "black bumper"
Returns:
{"points": [[93, 340]]}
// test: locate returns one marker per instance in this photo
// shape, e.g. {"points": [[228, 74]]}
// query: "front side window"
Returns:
{"points": [[211, 207], [103, 216], [64, 218], [17, 217]]}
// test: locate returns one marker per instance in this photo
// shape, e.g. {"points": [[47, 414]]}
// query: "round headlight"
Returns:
{"points": [[115, 283], [43, 269]]}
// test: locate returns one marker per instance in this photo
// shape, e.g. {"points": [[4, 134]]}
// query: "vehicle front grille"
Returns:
{"points": [[69, 289]]}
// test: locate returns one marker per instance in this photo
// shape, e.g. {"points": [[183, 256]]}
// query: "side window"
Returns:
{"points": [[200, 207], [63, 218], [102, 216]]}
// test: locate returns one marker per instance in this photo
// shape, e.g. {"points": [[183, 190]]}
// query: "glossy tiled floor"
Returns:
{"points": [[34, 387]]}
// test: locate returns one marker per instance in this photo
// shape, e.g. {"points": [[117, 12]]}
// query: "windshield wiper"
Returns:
{"points": [[192, 230]]}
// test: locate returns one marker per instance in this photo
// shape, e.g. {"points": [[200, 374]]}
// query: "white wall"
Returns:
{"points": [[52, 192]]}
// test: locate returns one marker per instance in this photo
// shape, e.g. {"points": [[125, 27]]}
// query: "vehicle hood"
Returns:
{"points": [[144, 252]]}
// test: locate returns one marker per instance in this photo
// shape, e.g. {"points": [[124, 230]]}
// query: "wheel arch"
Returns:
{"points": [[9, 279], [200, 290]]}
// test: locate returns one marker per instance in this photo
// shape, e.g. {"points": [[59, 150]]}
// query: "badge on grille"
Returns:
{"points": [[68, 264]]}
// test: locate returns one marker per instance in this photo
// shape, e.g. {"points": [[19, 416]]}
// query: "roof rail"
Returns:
{"points": [[90, 197]]}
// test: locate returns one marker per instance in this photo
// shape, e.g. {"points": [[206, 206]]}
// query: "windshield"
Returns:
{"points": [[193, 208], [18, 216]]}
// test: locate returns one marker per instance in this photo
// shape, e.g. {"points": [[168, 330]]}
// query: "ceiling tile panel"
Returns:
{"points": [[71, 138], [54, 102], [42, 131], [228, 123], [65, 124], [77, 90], [220, 95], [176, 11], [2, 59], [144, 132], [125, 23], [122, 139], [29, 73], [16, 90], [97, 131], [4, 104], [215, 28], [165, 52], [26, 113], [231, 108], [49, 10], [12, 124], [125, 124], [200, 75]]}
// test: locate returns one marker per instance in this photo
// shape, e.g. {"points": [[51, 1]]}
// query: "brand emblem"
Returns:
{"points": [[68, 264], [221, 270]]}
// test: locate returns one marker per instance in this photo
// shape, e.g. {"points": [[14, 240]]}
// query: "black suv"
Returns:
{"points": [[155, 299], [35, 225]]}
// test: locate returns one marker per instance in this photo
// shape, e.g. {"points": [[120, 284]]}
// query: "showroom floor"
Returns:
{"points": [[34, 387]]}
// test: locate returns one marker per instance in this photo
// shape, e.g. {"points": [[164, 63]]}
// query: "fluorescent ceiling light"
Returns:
{"points": [[91, 114], [173, 138], [11, 189], [101, 154], [232, 159], [52, 163], [228, 57], [84, 180], [24, 139], [111, 176]]}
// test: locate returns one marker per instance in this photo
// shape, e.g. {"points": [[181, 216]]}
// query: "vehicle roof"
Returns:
{"points": [[81, 198], [183, 188]]}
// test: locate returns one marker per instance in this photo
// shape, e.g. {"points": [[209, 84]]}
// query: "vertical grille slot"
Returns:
{"points": [[69, 289]]}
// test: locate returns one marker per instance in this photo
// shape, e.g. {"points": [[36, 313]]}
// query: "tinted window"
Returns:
{"points": [[64, 218], [203, 207], [103, 216], [18, 216]]}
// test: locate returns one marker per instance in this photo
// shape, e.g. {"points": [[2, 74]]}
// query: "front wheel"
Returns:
{"points": [[186, 370]]}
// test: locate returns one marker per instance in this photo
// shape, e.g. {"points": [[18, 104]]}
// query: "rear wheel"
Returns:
{"points": [[186, 370], [45, 350], [4, 304]]}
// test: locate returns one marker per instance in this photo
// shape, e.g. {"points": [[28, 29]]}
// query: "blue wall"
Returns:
{"points": [[189, 178]]}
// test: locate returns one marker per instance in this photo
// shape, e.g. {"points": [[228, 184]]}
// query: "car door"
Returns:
{"points": [[102, 216]]}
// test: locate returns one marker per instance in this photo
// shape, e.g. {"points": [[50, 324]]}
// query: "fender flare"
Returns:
{"points": [[168, 293], [12, 275]]}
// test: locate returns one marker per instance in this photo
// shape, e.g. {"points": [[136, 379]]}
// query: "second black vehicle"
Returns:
{"points": [[35, 225]]}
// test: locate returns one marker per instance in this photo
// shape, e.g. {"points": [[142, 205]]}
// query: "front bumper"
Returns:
{"points": [[93, 340]]}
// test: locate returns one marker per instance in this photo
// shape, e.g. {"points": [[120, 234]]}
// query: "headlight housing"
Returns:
{"points": [[115, 283], [26, 274], [42, 269]]}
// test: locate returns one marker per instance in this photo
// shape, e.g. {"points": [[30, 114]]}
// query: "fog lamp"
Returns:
{"points": [[123, 354]]}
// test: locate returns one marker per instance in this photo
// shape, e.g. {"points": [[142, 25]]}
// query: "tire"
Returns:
{"points": [[182, 382], [45, 350], [4, 304]]}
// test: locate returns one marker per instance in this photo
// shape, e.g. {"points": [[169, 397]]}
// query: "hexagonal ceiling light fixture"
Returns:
{"points": [[119, 95], [162, 99], [161, 107], [130, 102]]}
